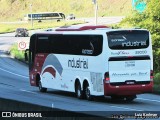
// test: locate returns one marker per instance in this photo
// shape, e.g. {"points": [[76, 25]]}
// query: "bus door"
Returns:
{"points": [[32, 51]]}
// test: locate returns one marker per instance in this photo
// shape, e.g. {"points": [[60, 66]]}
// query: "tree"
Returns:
{"points": [[149, 19]]}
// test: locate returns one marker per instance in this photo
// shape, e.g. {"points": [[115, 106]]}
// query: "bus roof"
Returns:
{"points": [[99, 29], [80, 28], [45, 12]]}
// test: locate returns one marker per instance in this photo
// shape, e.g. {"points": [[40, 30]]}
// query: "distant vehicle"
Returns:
{"points": [[21, 32], [49, 29], [71, 17], [45, 16], [68, 61]]}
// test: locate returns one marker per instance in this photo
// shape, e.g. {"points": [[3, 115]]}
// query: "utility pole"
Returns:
{"points": [[31, 15], [96, 9]]}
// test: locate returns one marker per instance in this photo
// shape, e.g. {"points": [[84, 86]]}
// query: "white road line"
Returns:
{"points": [[14, 73], [27, 91], [148, 100], [126, 108]]}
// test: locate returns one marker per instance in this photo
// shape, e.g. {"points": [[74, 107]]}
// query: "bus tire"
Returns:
{"points": [[87, 92], [78, 91], [41, 89]]}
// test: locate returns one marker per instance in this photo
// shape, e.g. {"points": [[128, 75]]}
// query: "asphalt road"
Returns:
{"points": [[14, 84]]}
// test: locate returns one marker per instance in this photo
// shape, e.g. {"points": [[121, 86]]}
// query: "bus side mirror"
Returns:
{"points": [[26, 55]]}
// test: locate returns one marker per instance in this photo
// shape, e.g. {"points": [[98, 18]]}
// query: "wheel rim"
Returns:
{"points": [[87, 92], [40, 85], [78, 91]]}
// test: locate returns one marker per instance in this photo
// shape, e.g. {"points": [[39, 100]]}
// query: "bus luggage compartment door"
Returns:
{"points": [[129, 70]]}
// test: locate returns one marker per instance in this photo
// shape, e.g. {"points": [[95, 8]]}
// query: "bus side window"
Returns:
{"points": [[96, 44], [76, 44], [44, 45], [57, 46]]}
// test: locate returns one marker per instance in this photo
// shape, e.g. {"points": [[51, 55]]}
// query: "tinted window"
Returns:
{"points": [[45, 15], [31, 15], [134, 39], [55, 15], [43, 44], [70, 44], [62, 15]]}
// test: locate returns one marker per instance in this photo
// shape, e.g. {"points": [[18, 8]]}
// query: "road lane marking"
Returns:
{"points": [[127, 108], [148, 100], [14, 73], [27, 91]]}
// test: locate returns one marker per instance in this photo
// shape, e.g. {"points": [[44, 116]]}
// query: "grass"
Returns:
{"points": [[16, 9], [10, 27], [16, 53], [156, 88]]}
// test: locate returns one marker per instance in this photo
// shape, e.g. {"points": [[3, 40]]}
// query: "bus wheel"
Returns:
{"points": [[87, 92], [41, 89], [78, 91]]}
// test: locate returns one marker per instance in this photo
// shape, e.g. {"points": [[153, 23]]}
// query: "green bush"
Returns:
{"points": [[149, 20], [157, 78], [16, 53]]}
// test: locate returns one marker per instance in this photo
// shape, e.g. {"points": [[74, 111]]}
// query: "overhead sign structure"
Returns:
{"points": [[96, 8], [23, 45], [139, 5], [94, 1]]}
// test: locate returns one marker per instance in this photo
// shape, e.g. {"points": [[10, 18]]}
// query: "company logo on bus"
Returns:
{"points": [[136, 43], [80, 63], [51, 65]]}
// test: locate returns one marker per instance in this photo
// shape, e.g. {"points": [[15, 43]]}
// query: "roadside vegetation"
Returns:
{"points": [[16, 9], [16, 53], [149, 19], [10, 27]]}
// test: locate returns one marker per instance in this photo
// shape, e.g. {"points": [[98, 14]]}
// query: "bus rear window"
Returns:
{"points": [[131, 39]]}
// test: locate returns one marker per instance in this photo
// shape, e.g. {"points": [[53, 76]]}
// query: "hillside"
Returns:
{"points": [[15, 9]]}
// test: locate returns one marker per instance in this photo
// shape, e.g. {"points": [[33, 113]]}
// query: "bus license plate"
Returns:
{"points": [[130, 82], [130, 64]]}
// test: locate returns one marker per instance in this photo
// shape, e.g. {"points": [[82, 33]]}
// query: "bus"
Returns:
{"points": [[92, 61], [45, 16]]}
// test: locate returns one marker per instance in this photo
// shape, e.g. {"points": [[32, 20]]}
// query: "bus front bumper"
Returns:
{"points": [[110, 90]]}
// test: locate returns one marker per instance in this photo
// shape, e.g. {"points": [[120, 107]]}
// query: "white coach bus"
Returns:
{"points": [[58, 16], [92, 61]]}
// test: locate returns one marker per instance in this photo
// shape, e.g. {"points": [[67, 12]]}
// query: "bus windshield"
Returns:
{"points": [[131, 39]]}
